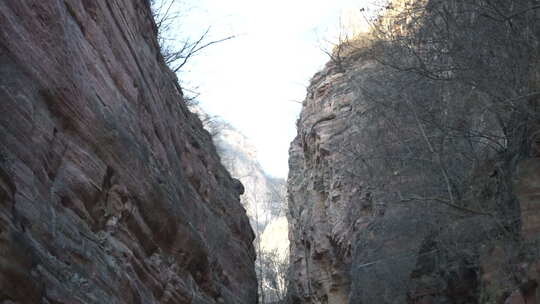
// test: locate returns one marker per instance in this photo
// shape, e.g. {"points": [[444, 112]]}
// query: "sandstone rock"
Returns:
{"points": [[110, 189], [354, 235], [323, 201]]}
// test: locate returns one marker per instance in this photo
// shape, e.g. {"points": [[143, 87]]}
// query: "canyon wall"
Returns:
{"points": [[111, 191], [339, 216], [358, 236], [410, 185], [320, 195]]}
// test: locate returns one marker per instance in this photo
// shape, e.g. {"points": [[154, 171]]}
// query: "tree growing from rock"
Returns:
{"points": [[449, 106]]}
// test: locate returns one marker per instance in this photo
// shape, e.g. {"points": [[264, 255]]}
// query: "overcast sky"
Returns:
{"points": [[257, 80]]}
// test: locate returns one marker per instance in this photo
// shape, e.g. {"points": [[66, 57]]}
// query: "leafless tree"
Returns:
{"points": [[448, 105], [274, 278], [176, 49]]}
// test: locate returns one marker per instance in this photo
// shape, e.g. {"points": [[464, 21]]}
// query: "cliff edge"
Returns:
{"points": [[111, 191]]}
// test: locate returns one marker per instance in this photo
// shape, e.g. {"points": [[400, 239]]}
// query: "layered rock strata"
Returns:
{"points": [[322, 198], [111, 191], [339, 223], [370, 220]]}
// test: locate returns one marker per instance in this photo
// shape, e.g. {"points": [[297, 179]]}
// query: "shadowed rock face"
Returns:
{"points": [[110, 189], [352, 242]]}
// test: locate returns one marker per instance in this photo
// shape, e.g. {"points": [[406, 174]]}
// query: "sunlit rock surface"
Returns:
{"points": [[323, 199], [110, 189]]}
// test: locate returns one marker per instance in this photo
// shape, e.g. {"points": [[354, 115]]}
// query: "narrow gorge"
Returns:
{"points": [[414, 176]]}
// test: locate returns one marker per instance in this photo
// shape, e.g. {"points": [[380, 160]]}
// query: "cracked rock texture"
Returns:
{"points": [[320, 194], [352, 238], [110, 189], [338, 225]]}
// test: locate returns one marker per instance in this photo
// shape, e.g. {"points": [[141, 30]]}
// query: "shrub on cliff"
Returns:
{"points": [[178, 48], [450, 94]]}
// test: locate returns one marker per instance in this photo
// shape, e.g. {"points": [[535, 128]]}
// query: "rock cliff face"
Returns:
{"points": [[378, 214], [324, 195], [349, 245], [110, 189], [330, 197]]}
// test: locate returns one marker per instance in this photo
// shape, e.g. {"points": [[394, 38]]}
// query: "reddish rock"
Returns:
{"points": [[110, 189]]}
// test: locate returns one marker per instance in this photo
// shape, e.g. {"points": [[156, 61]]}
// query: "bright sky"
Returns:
{"points": [[257, 80]]}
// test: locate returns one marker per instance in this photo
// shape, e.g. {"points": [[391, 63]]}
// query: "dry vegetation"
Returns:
{"points": [[450, 108]]}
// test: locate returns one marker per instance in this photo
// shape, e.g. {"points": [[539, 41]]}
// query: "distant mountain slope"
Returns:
{"points": [[264, 194], [264, 199]]}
